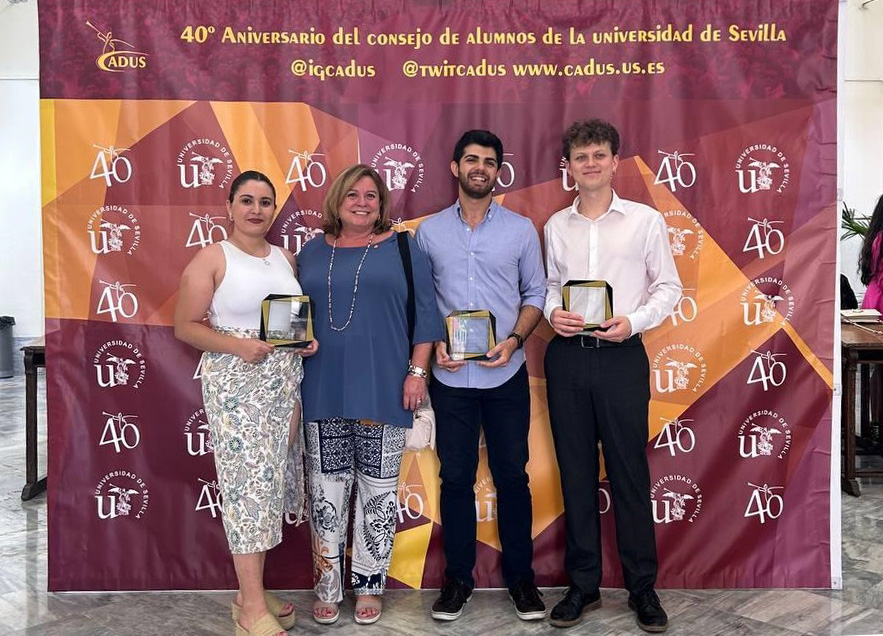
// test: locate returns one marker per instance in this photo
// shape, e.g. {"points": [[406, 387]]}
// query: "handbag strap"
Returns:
{"points": [[410, 307]]}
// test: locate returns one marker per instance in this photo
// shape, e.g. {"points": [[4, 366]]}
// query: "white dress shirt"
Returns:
{"points": [[627, 246]]}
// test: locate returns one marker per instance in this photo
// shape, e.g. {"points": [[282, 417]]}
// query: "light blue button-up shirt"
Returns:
{"points": [[497, 266]]}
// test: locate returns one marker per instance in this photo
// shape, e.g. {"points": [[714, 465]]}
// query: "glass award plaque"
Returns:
{"points": [[286, 321], [592, 299], [470, 334]]}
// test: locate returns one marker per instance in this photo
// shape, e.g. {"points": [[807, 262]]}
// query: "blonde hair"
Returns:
{"points": [[338, 191]]}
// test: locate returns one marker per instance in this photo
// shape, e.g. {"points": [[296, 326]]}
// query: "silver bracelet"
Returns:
{"points": [[417, 372]]}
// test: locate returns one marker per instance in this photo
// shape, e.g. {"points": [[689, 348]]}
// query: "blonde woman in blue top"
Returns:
{"points": [[361, 388]]}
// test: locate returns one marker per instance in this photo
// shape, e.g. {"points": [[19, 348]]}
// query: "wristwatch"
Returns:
{"points": [[517, 337], [417, 372]]}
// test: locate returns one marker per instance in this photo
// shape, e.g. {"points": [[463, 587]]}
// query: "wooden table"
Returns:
{"points": [[34, 356], [858, 346]]}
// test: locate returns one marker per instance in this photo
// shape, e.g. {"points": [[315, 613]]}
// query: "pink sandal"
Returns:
{"points": [[367, 603], [325, 620]]}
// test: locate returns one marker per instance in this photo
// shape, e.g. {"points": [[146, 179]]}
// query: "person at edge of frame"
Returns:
{"points": [[598, 383]]}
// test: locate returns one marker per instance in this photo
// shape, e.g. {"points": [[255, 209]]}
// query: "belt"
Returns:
{"points": [[591, 342]]}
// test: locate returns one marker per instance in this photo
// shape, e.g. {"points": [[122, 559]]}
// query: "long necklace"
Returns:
{"points": [[355, 285]]}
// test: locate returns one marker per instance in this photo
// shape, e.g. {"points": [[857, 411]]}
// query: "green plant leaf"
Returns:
{"points": [[851, 224]]}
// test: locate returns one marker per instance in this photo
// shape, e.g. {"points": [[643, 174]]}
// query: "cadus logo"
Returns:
{"points": [[112, 228], [121, 431], [675, 498], [764, 503], [205, 230], [396, 164], [209, 498], [202, 161], [485, 500], [119, 363], [764, 238], [197, 435], [567, 184], [117, 300], [679, 367], [685, 235], [687, 308], [121, 493], [768, 370], [306, 170], [117, 55], [675, 171], [111, 165], [676, 436], [296, 233], [762, 167], [764, 433], [766, 300]]}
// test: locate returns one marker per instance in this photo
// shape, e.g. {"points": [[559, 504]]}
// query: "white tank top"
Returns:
{"points": [[247, 281]]}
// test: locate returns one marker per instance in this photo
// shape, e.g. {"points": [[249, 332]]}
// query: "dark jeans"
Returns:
{"points": [[504, 414], [602, 395]]}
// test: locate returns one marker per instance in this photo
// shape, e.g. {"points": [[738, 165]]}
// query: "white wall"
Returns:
{"points": [[861, 109], [21, 248], [21, 279]]}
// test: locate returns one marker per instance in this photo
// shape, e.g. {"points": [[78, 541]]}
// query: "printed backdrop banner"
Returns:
{"points": [[727, 112]]}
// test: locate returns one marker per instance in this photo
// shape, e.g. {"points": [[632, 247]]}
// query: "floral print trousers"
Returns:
{"points": [[342, 453]]}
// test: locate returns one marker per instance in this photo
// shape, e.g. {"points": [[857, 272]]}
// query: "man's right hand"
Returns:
{"points": [[566, 323], [444, 361]]}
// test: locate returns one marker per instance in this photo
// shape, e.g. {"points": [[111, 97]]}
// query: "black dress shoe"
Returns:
{"points": [[449, 604], [571, 608], [651, 616]]}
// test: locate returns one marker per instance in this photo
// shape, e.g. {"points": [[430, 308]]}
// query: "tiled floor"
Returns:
{"points": [[26, 607]]}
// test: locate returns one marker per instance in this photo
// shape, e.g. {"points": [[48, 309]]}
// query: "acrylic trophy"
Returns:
{"points": [[592, 299], [470, 334], [286, 321]]}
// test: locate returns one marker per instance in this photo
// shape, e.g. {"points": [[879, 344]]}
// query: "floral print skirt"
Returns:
{"points": [[249, 408]]}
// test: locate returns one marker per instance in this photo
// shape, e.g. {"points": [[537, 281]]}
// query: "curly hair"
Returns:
{"points": [[589, 131]]}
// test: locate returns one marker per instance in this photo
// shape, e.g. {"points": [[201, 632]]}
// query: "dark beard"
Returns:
{"points": [[472, 192]]}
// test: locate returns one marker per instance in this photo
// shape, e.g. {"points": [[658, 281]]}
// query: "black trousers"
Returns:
{"points": [[602, 394], [504, 414]]}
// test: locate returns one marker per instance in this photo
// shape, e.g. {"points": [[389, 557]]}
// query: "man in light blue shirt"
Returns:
{"points": [[484, 257]]}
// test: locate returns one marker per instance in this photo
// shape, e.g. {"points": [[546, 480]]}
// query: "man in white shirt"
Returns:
{"points": [[599, 384]]}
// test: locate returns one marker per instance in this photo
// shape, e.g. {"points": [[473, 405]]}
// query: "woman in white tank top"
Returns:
{"points": [[251, 392]]}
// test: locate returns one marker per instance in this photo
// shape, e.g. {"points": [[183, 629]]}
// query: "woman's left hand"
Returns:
{"points": [[414, 392], [309, 350]]}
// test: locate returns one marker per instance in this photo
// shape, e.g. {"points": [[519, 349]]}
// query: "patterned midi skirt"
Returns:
{"points": [[249, 408]]}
